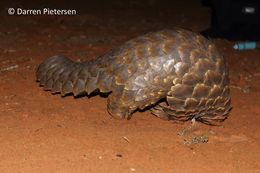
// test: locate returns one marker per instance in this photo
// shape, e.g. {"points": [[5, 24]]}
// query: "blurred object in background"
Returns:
{"points": [[234, 19], [246, 45]]}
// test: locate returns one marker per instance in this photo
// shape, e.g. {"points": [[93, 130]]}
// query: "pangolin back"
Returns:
{"points": [[180, 74]]}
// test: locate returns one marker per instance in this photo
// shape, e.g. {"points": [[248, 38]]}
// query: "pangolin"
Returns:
{"points": [[178, 74]]}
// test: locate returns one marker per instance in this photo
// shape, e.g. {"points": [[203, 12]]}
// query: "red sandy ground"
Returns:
{"points": [[41, 132]]}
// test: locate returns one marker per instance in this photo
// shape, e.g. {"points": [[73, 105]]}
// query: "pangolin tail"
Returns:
{"points": [[62, 75]]}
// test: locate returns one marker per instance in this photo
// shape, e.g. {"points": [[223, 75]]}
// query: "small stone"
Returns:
{"points": [[119, 155], [132, 169]]}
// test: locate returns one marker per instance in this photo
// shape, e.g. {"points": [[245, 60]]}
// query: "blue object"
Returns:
{"points": [[245, 45]]}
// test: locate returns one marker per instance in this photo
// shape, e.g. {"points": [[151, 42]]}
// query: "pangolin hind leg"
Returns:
{"points": [[122, 102]]}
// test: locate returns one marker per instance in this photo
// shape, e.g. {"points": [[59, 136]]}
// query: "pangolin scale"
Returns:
{"points": [[179, 74]]}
